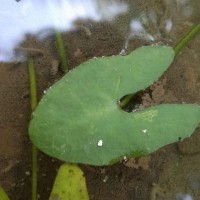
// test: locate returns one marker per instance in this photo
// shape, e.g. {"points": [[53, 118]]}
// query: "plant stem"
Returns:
{"points": [[189, 36], [62, 52], [34, 172], [125, 100], [33, 92], [33, 86]]}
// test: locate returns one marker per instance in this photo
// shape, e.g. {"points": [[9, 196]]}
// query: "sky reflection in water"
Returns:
{"points": [[34, 16], [41, 18]]}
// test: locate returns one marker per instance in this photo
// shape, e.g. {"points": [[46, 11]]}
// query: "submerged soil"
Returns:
{"points": [[169, 173]]}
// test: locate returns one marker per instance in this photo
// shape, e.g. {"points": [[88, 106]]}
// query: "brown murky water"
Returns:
{"points": [[168, 173]]}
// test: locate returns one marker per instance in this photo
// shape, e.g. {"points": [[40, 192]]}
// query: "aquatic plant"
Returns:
{"points": [[3, 195], [69, 184], [79, 120]]}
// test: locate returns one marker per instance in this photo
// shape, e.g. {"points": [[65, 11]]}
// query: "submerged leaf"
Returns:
{"points": [[69, 184], [79, 120], [3, 195]]}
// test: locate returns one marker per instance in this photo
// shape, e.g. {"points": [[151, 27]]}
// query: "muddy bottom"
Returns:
{"points": [[169, 173]]}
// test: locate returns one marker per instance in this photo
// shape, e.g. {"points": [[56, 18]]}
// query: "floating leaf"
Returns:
{"points": [[79, 120], [69, 184]]}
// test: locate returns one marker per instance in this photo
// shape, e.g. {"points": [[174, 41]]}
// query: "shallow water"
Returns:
{"points": [[90, 30], [152, 21]]}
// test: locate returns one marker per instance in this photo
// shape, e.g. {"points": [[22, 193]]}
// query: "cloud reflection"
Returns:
{"points": [[33, 16]]}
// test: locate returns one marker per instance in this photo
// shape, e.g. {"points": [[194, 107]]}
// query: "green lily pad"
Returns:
{"points": [[78, 120]]}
